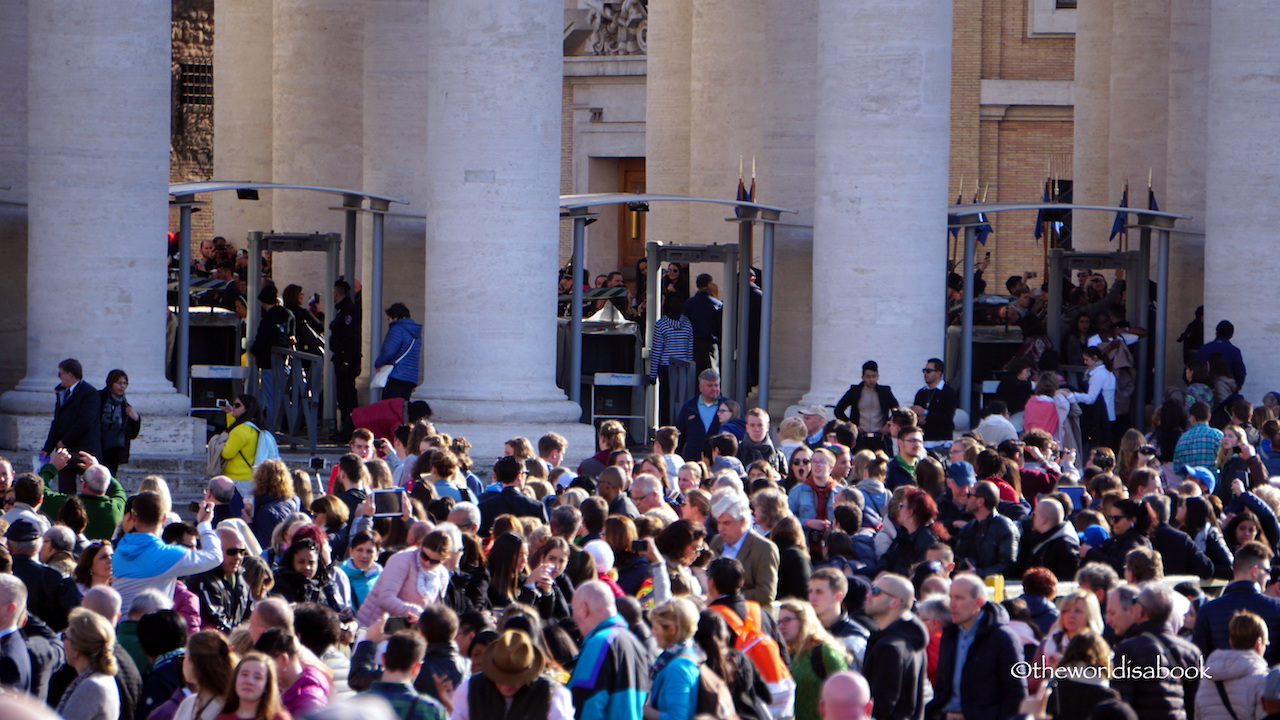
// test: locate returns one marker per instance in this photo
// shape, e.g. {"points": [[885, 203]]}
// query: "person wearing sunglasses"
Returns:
{"points": [[1131, 526], [895, 658], [225, 598], [413, 578], [242, 439]]}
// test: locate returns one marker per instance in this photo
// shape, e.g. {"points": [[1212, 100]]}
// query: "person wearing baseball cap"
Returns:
{"points": [[953, 506], [815, 420]]}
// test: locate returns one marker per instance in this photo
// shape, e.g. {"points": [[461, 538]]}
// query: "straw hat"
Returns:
{"points": [[512, 659]]}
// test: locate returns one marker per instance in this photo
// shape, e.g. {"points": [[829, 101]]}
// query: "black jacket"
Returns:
{"points": [[441, 659], [222, 606], [1116, 548], [895, 667], [50, 596], [1169, 698], [131, 427], [344, 335], [1057, 549], [1210, 632], [274, 330], [76, 421], [941, 403], [749, 452], [692, 432], [906, 550], [849, 401], [509, 501], [991, 545], [159, 687], [988, 690], [1179, 552], [15, 662]]}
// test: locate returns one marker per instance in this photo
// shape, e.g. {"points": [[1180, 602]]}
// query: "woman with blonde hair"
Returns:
{"points": [[811, 647], [674, 694], [88, 642], [207, 667], [272, 500], [690, 476], [1078, 612], [791, 434]]}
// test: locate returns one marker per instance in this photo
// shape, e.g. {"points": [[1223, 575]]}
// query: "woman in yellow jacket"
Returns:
{"points": [[242, 441]]}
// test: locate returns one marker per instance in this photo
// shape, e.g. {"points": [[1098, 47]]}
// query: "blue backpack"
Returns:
{"points": [[268, 448]]}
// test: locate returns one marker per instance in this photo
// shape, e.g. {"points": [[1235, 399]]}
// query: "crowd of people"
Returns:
{"points": [[870, 559]]}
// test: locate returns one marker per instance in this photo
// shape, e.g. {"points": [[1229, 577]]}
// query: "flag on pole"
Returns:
{"points": [[1151, 200], [1122, 218], [1040, 213], [955, 231]]}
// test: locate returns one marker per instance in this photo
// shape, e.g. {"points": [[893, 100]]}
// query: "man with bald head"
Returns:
{"points": [[1052, 542], [978, 649], [611, 678], [227, 501], [225, 599], [845, 696], [103, 496], [895, 660]]}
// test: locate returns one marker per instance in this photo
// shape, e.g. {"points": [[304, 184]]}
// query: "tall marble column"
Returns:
{"points": [[1186, 162], [667, 116], [788, 101], [242, 116], [316, 119], [493, 156], [98, 172], [13, 201], [1139, 127], [1242, 202], [879, 221], [1091, 171]]}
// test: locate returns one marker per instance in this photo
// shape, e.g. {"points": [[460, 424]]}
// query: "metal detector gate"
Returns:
{"points": [[331, 245]]}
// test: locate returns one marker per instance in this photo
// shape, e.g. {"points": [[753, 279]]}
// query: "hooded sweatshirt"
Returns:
{"points": [[143, 561], [895, 666]]}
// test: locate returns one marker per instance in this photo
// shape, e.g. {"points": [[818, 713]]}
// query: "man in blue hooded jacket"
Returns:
{"points": [[143, 560]]}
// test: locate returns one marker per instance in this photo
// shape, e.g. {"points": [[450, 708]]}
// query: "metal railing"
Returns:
{"points": [[295, 397]]}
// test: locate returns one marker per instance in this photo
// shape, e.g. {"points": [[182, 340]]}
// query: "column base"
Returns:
{"points": [[529, 410], [167, 429], [487, 439]]}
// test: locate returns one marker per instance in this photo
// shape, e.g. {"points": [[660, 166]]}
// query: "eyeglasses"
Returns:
{"points": [[877, 591], [929, 370], [428, 560], [237, 552], [801, 461], [1118, 518], [785, 620]]}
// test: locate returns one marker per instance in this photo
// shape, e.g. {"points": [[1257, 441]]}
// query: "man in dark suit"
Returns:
{"points": [[50, 596], [15, 658], [511, 473], [697, 419], [76, 419], [705, 314], [935, 406]]}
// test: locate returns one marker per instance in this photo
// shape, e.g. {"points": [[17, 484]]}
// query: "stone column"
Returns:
{"points": [[667, 120], [492, 195], [1092, 173], [98, 171], [1139, 128], [316, 119], [1186, 162], [725, 99], [13, 202], [242, 116], [1242, 202], [788, 100], [879, 226]]}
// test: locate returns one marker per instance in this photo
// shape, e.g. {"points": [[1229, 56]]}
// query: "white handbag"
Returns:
{"points": [[383, 373]]}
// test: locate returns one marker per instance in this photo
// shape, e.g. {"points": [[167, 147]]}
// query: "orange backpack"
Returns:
{"points": [[763, 652]]}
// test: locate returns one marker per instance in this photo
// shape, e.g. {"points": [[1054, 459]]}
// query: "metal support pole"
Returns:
{"points": [[1162, 307], [330, 381], [349, 244], [1055, 298], [575, 322], [741, 349], [766, 310], [254, 315], [729, 324], [375, 293], [653, 288], [1139, 319], [966, 326], [183, 375]]}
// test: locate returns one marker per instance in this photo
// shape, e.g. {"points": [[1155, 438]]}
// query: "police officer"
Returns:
{"points": [[344, 341]]}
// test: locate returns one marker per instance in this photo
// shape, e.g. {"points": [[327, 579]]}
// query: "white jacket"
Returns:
{"points": [[1243, 672]]}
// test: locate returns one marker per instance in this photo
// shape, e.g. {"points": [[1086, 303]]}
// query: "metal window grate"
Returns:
{"points": [[1066, 4], [197, 83]]}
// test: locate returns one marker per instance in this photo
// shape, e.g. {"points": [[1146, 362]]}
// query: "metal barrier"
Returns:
{"points": [[295, 397]]}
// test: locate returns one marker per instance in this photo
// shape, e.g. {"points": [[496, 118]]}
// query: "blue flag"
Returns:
{"points": [[1151, 200], [1122, 218], [1040, 212], [741, 196], [955, 231], [982, 231]]}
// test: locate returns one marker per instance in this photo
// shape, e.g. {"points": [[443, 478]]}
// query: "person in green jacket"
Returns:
{"points": [[103, 496]]}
